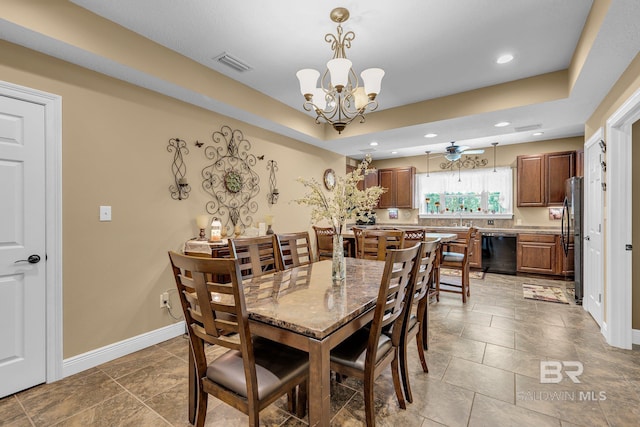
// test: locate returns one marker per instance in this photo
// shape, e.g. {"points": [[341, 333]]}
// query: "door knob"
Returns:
{"points": [[587, 238], [33, 259]]}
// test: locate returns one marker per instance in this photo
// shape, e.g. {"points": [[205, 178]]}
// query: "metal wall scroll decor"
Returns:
{"points": [[272, 196], [230, 179], [180, 188], [466, 162]]}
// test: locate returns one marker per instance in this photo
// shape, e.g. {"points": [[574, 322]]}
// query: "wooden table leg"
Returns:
{"points": [[193, 387], [319, 383]]}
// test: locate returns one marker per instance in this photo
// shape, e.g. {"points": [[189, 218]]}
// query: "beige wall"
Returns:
{"points": [[114, 153], [622, 90], [505, 156]]}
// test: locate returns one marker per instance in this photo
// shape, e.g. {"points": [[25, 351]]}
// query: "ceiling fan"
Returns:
{"points": [[454, 152]]}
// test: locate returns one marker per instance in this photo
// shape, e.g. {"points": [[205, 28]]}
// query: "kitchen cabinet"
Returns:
{"points": [[475, 261], [399, 185], [541, 178], [537, 253], [370, 179], [560, 167], [543, 254], [580, 163], [531, 182]]}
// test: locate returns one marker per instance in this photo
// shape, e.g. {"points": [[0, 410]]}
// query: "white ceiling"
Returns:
{"points": [[428, 49]]}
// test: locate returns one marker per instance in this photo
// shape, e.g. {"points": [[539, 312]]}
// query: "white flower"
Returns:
{"points": [[345, 201]]}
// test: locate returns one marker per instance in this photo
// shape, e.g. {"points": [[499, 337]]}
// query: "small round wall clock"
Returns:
{"points": [[329, 179]]}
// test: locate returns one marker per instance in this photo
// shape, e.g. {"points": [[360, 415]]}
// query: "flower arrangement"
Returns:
{"points": [[345, 202]]}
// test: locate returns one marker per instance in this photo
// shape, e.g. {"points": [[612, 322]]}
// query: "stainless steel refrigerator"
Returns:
{"points": [[572, 225]]}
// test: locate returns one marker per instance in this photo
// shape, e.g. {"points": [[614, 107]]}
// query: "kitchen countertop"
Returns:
{"points": [[515, 230]]}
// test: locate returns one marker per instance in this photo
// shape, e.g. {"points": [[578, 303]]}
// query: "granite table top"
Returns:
{"points": [[306, 301]]}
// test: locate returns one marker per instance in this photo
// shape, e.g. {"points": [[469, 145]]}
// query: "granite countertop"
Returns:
{"points": [[516, 229]]}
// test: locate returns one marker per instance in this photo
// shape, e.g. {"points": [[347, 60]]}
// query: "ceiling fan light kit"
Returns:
{"points": [[341, 98]]}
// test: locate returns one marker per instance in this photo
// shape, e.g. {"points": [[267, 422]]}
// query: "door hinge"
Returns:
{"points": [[628, 247]]}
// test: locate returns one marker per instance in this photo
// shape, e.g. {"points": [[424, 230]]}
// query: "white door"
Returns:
{"points": [[22, 237], [593, 261]]}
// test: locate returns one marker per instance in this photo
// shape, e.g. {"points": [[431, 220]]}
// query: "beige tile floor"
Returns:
{"points": [[484, 360]]}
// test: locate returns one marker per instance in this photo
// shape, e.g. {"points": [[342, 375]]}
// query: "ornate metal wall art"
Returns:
{"points": [[466, 162], [180, 189], [272, 196], [230, 179]]}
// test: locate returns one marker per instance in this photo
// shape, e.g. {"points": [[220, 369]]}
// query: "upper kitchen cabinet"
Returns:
{"points": [[580, 163], [370, 179], [541, 178], [560, 167], [399, 185], [531, 180]]}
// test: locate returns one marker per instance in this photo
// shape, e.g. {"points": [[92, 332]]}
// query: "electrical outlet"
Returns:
{"points": [[489, 222], [164, 300]]}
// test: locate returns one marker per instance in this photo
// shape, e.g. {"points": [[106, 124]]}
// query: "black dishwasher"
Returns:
{"points": [[499, 253]]}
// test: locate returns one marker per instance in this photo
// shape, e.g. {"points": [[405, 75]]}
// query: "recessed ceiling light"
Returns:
{"points": [[373, 144], [502, 124], [538, 133], [394, 152], [431, 135], [503, 59]]}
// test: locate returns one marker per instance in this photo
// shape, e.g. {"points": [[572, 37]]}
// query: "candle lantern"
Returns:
{"points": [[216, 230]]}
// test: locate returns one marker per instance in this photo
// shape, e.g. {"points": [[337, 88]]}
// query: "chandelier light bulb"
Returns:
{"points": [[339, 69], [372, 78], [308, 78]]}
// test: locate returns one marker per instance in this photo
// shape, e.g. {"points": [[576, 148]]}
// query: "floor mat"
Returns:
{"points": [[544, 293], [457, 273]]}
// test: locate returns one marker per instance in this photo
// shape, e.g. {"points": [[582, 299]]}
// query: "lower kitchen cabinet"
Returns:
{"points": [[537, 253], [476, 255]]}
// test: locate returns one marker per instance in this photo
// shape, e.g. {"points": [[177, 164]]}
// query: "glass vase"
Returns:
{"points": [[338, 267]]}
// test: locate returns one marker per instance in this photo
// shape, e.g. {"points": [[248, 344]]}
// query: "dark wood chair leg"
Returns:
{"points": [[397, 385], [301, 401]]}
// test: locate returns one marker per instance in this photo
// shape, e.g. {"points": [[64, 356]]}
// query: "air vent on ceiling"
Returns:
{"points": [[233, 62], [527, 128], [368, 150]]}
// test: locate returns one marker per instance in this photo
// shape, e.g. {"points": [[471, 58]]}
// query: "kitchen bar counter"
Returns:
{"points": [[446, 229]]}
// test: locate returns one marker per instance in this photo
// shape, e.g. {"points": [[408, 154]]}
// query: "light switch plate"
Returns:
{"points": [[105, 213]]}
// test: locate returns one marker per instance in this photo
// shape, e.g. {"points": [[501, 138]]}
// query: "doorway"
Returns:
{"points": [[619, 332], [31, 140]]}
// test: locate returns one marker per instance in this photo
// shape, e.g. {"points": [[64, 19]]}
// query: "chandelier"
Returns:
{"points": [[341, 98]]}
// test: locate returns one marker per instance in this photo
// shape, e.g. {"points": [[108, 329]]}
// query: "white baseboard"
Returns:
{"points": [[635, 336], [101, 355], [605, 331]]}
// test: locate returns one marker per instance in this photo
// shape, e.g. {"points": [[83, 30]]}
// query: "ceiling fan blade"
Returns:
{"points": [[473, 152], [461, 148]]}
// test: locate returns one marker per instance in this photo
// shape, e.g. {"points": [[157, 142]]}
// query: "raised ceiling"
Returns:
{"points": [[439, 57]]}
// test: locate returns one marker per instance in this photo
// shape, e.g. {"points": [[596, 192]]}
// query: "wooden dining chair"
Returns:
{"points": [[294, 249], [254, 372], [368, 351], [416, 324], [374, 244], [257, 255], [456, 255], [413, 237], [324, 243]]}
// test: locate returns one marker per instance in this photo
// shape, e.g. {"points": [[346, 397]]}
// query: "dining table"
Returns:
{"points": [[304, 308]]}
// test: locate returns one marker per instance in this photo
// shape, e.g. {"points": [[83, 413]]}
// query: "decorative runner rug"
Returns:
{"points": [[457, 273], [544, 293]]}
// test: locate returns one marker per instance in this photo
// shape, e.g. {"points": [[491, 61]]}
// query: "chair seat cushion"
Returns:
{"points": [[413, 320], [353, 351], [275, 364], [452, 257]]}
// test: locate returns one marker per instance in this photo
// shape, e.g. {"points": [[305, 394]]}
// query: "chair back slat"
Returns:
{"points": [[414, 237], [294, 249], [212, 310], [256, 255], [423, 270], [374, 244], [395, 284], [324, 242]]}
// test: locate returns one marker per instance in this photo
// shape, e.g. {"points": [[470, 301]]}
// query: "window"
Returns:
{"points": [[478, 192]]}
